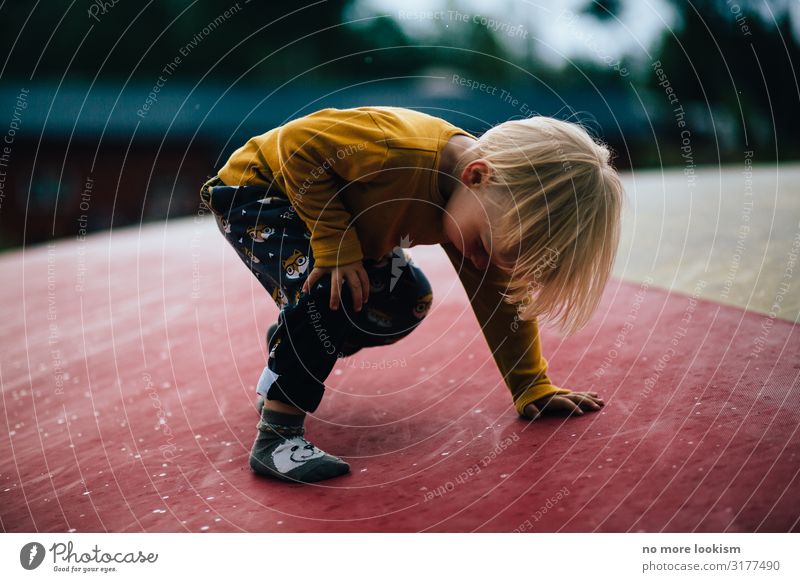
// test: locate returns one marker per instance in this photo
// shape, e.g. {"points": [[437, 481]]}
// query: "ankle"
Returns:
{"points": [[281, 424], [282, 407]]}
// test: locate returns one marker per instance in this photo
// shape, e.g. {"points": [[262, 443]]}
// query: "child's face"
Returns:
{"points": [[468, 220]]}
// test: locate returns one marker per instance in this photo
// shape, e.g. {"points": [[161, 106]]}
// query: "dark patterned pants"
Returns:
{"points": [[274, 243]]}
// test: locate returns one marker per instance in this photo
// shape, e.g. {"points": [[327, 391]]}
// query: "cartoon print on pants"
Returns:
{"points": [[260, 233], [378, 317], [383, 261], [274, 347], [295, 265], [273, 257], [294, 452], [249, 254], [423, 305], [279, 296], [269, 199], [376, 285], [226, 226]]}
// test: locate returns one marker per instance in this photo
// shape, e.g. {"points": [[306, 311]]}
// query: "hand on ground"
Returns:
{"points": [[354, 273], [574, 403]]}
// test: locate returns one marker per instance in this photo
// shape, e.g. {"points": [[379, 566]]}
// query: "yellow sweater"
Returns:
{"points": [[364, 180]]}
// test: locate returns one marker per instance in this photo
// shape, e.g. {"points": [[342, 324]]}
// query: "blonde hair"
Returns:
{"points": [[560, 201]]}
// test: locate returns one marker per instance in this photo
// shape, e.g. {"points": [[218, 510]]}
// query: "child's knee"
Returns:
{"points": [[321, 291]]}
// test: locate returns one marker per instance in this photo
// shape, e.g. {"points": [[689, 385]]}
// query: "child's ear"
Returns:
{"points": [[477, 173]]}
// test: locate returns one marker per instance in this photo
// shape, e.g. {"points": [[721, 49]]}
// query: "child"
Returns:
{"points": [[321, 208]]}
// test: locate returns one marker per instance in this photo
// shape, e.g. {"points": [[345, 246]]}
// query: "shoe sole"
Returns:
{"points": [[267, 472]]}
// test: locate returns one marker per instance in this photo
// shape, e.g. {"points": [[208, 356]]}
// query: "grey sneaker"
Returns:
{"points": [[282, 452]]}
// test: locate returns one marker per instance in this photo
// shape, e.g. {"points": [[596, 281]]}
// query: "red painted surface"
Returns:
{"points": [[149, 424]]}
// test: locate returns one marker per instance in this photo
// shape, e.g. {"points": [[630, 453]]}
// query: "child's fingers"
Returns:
{"points": [[576, 409], [591, 396], [335, 288], [597, 400], [311, 280], [531, 411], [355, 289], [362, 275], [567, 404], [584, 401], [588, 404]]}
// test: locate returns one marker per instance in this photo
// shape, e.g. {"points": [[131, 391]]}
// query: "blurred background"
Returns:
{"points": [[113, 113]]}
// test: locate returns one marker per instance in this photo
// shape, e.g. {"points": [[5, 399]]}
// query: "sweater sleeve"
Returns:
{"points": [[312, 158], [515, 343]]}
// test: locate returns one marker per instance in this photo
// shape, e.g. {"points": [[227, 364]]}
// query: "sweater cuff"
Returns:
{"points": [[335, 252], [536, 392]]}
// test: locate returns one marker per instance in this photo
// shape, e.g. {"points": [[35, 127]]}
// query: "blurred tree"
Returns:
{"points": [[712, 58], [709, 55], [379, 48], [265, 40], [603, 9]]}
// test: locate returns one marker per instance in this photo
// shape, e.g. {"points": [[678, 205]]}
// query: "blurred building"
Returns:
{"points": [[86, 160]]}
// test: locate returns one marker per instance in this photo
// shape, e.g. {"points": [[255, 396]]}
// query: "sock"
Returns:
{"points": [[281, 451]]}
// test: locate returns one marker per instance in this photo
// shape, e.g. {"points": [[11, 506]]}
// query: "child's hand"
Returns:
{"points": [[572, 403], [354, 273]]}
